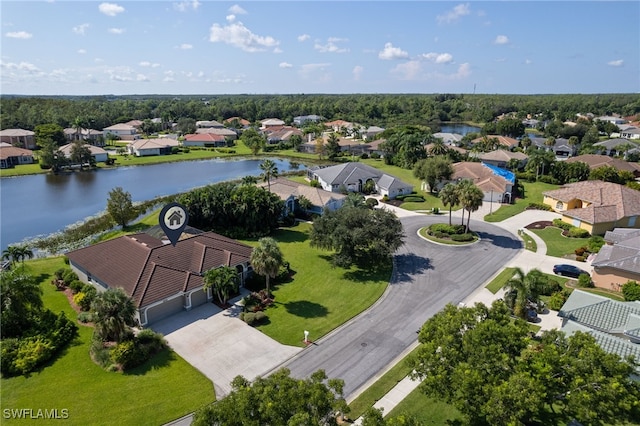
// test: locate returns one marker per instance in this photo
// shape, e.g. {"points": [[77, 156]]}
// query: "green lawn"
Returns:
{"points": [[500, 280], [23, 169], [428, 411], [163, 389], [529, 243], [532, 194], [557, 244], [320, 297]]}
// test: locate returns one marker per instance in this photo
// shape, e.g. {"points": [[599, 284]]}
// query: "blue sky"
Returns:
{"points": [[262, 47]]}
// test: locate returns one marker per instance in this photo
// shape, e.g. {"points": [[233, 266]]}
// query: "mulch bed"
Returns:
{"points": [[539, 225]]}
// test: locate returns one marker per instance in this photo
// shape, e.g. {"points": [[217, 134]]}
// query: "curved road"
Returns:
{"points": [[427, 276]]}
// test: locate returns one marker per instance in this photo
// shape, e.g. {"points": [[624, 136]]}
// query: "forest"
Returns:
{"points": [[384, 110]]}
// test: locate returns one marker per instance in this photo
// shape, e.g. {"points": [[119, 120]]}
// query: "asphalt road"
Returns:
{"points": [[426, 277]]}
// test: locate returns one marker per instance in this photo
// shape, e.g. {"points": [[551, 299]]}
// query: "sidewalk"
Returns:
{"points": [[526, 260]]}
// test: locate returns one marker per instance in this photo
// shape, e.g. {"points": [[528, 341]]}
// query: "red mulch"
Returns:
{"points": [[539, 225]]}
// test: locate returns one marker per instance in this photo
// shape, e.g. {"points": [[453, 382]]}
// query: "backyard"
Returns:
{"points": [[532, 194]]}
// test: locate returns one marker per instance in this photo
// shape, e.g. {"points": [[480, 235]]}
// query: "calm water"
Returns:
{"points": [[459, 128], [43, 204]]}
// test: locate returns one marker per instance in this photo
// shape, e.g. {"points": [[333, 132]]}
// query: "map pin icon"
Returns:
{"points": [[173, 220]]}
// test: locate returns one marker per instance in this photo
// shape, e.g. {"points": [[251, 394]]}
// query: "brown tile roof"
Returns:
{"points": [[608, 201], [502, 140], [13, 151], [502, 155], [284, 188], [241, 120], [594, 161], [204, 137], [481, 175], [150, 271], [16, 132]]}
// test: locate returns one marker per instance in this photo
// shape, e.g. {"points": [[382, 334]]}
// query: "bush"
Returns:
{"points": [[85, 317], [526, 176], [152, 341], [548, 179], [68, 276], [584, 280], [462, 237], [413, 199], [249, 317], [539, 206], [576, 232], [580, 251], [128, 354], [557, 300], [435, 210], [561, 224], [447, 229], [364, 156], [375, 155], [631, 291], [259, 317], [76, 286], [385, 198], [314, 183], [595, 243], [78, 297], [175, 150]]}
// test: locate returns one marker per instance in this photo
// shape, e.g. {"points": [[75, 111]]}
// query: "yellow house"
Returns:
{"points": [[596, 206]]}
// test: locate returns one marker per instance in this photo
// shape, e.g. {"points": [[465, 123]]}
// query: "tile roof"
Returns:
{"points": [[13, 151], [120, 126], [149, 270], [608, 201], [481, 175], [204, 137], [502, 155], [623, 254], [154, 143], [285, 188], [16, 132], [66, 149], [502, 140], [217, 131], [594, 161], [616, 142]]}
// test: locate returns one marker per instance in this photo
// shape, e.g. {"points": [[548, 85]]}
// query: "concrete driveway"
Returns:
{"points": [[221, 346]]}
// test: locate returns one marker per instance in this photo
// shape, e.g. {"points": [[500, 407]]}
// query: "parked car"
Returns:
{"points": [[568, 271]]}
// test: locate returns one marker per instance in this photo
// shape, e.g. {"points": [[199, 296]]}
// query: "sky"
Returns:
{"points": [[331, 47]]}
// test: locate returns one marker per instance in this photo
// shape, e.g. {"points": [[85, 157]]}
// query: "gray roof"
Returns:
{"points": [[347, 173], [624, 254], [607, 342], [613, 143], [389, 182], [600, 313]]}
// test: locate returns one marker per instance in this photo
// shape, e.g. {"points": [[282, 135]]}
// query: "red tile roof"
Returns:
{"points": [[150, 271]]}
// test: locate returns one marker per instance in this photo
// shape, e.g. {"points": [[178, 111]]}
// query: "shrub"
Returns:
{"points": [[447, 229], [548, 179], [314, 183], [631, 291], [561, 224], [76, 286], [364, 156], [413, 199], [539, 206], [259, 317], [249, 317], [595, 243], [175, 150], [152, 342], [584, 280], [435, 210], [31, 352], [128, 354], [551, 287], [68, 276], [77, 298], [85, 317], [557, 300], [576, 232], [385, 198], [375, 155], [580, 251], [580, 258], [462, 237]]}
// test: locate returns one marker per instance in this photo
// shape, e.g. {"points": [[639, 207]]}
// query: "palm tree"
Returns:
{"points": [[11, 253], [20, 300], [266, 259], [114, 312], [470, 198], [223, 281], [269, 171], [449, 197], [249, 180], [524, 288], [304, 203], [438, 148]]}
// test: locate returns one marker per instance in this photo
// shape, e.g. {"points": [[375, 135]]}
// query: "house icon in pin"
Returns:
{"points": [[175, 218]]}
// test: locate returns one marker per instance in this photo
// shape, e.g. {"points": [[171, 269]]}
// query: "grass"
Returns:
{"points": [[529, 243], [426, 410], [532, 194], [424, 234], [380, 388], [163, 389], [500, 280], [557, 244], [21, 170], [146, 222], [320, 297]]}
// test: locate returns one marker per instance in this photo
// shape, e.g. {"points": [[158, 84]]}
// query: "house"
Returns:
{"points": [[617, 146], [618, 261], [371, 132], [276, 135], [341, 125], [448, 138], [19, 138], [561, 147], [595, 205], [162, 279], [614, 325], [630, 133], [595, 161], [11, 156], [221, 131], [290, 192], [204, 139], [271, 122], [301, 120], [237, 123], [121, 131], [98, 154], [353, 177], [135, 123], [505, 141], [496, 183], [93, 137], [501, 158], [145, 147], [611, 119], [209, 124]]}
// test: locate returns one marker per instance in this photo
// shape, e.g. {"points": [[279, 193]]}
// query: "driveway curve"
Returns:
{"points": [[426, 277]]}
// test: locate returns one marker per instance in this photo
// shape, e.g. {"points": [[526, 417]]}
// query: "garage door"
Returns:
{"points": [[198, 298], [165, 309]]}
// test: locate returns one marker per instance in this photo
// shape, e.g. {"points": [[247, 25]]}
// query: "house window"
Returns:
{"points": [[559, 205]]}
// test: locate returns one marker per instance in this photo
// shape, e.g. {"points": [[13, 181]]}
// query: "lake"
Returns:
{"points": [[38, 205], [459, 128]]}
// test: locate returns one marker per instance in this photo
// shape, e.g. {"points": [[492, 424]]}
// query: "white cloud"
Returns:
{"points": [[120, 78], [237, 35], [413, 70], [169, 76], [80, 29], [616, 63], [277, 50], [82, 51], [285, 65], [464, 71], [22, 66], [230, 18], [357, 72], [528, 61], [501, 39], [390, 52], [408, 71], [454, 14], [237, 10], [110, 9], [183, 6], [19, 34], [185, 46], [117, 31], [142, 77], [438, 58], [331, 46], [148, 64], [304, 37]]}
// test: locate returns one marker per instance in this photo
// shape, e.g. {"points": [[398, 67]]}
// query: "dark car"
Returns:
{"points": [[568, 271]]}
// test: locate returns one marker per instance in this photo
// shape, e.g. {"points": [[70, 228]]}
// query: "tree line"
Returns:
{"points": [[385, 110]]}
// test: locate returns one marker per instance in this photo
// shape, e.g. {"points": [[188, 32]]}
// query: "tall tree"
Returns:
{"points": [[266, 259], [20, 302], [449, 197], [269, 171], [249, 180], [470, 198], [80, 153], [524, 288], [253, 140], [120, 207], [333, 148], [438, 148], [432, 170], [223, 281], [113, 314]]}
